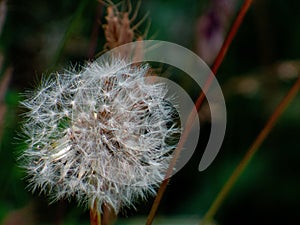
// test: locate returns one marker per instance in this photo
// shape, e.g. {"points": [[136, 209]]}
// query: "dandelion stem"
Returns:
{"points": [[95, 215], [219, 59], [250, 152], [108, 216]]}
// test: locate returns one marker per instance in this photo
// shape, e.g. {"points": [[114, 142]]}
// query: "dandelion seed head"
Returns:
{"points": [[98, 135]]}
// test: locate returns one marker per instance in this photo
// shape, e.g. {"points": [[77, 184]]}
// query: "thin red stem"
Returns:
{"points": [[95, 216], [233, 30], [221, 55], [215, 67], [250, 153]]}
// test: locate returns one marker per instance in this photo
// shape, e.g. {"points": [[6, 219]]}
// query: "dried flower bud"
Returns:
{"points": [[99, 135]]}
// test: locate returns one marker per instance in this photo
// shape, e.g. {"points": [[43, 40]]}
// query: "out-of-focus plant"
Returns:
{"points": [[99, 135], [6, 73], [119, 30]]}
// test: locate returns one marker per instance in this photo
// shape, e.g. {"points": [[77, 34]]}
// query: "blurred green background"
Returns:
{"points": [[260, 67]]}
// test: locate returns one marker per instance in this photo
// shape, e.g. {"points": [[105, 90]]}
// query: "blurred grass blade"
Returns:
{"points": [[68, 32]]}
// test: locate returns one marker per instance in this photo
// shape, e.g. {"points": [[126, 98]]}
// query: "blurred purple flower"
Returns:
{"points": [[211, 28]]}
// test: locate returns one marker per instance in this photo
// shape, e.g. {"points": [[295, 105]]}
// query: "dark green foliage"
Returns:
{"points": [[267, 193]]}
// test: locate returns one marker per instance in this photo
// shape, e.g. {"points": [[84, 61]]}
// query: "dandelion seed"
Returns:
{"points": [[99, 134]]}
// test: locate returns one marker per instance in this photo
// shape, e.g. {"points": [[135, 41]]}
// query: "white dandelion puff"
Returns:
{"points": [[101, 135]]}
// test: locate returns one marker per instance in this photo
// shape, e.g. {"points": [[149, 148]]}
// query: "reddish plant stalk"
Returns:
{"points": [[95, 215], [251, 151], [219, 59], [221, 55]]}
